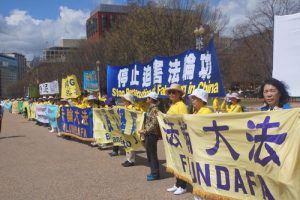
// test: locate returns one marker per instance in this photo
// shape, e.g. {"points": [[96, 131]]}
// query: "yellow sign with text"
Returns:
{"points": [[118, 125], [253, 155], [70, 87]]}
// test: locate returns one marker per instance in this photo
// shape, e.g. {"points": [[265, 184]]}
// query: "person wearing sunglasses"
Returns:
{"points": [[175, 94]]}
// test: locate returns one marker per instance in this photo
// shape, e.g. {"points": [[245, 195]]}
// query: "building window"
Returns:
{"points": [[104, 23], [91, 26]]}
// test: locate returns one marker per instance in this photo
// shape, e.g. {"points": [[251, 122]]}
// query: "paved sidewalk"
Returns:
{"points": [[37, 165]]}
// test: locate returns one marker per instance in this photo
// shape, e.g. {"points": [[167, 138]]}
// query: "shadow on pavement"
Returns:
{"points": [[13, 136], [140, 160]]}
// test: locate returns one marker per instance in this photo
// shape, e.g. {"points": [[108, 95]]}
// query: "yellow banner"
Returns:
{"points": [[15, 107], [235, 156], [70, 87], [101, 127], [119, 126], [31, 111]]}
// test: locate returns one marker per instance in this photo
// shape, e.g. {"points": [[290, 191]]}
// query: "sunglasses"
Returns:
{"points": [[172, 92]]}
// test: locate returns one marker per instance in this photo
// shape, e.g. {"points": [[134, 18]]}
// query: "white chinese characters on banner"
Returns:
{"points": [[206, 66], [189, 67], [134, 75], [122, 77], [174, 70], [147, 76], [157, 71]]}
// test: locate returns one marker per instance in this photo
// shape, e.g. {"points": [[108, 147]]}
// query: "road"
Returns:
{"points": [[38, 165]]}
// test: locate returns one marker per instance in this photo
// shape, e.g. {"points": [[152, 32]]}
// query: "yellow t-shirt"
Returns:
{"points": [[132, 107], [178, 108], [143, 106], [203, 110], [81, 105], [216, 104], [234, 108], [85, 102]]}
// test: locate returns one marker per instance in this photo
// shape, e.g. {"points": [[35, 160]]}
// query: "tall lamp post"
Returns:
{"points": [[199, 37], [98, 77]]}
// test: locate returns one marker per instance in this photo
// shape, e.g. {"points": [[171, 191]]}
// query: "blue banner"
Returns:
{"points": [[90, 81], [77, 121], [191, 69], [8, 106], [52, 115]]}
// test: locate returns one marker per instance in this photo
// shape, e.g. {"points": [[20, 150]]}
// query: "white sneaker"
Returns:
{"points": [[197, 198], [52, 131], [172, 189], [179, 191]]}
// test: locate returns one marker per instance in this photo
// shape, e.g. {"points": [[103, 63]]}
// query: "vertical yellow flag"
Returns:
{"points": [[70, 87]]}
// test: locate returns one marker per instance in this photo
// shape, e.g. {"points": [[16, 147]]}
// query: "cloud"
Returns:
{"points": [[21, 33], [236, 10]]}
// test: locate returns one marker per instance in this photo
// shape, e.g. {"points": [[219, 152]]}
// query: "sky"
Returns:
{"points": [[29, 26]]}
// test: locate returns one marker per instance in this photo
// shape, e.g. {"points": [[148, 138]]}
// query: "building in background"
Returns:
{"points": [[102, 19], [8, 72], [60, 53], [21, 64], [140, 3]]}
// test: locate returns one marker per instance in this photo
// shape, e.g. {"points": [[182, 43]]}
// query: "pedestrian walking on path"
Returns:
{"points": [[1, 115]]}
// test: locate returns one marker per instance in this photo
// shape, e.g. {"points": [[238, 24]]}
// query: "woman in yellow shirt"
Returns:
{"points": [[177, 107], [235, 103], [199, 100]]}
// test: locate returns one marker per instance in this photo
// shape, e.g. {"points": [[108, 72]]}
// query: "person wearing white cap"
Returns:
{"points": [[177, 107], [128, 100], [226, 103], [152, 134], [235, 103], [91, 101], [199, 100]]}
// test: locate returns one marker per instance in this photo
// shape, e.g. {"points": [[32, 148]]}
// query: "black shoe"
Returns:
{"points": [[112, 154], [128, 164]]}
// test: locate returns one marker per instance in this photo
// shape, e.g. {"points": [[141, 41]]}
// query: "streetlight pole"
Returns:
{"points": [[98, 77], [199, 37]]}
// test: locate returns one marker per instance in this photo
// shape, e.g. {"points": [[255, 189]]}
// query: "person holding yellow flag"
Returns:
{"points": [[177, 107]]}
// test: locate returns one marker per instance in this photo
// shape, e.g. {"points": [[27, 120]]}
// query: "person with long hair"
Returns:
{"points": [[275, 95], [177, 107]]}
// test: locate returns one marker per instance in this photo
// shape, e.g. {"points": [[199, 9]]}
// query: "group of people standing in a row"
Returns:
{"points": [[273, 92]]}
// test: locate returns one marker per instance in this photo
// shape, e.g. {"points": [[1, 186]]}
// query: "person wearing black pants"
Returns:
{"points": [[151, 148], [151, 134]]}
